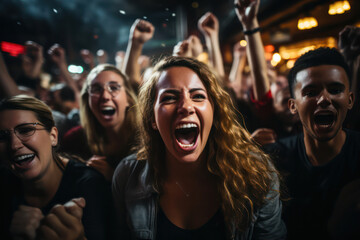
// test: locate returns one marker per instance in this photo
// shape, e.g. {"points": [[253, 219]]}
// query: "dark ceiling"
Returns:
{"points": [[99, 24]]}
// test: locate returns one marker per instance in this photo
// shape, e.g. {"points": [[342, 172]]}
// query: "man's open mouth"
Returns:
{"points": [[324, 119], [186, 134], [108, 111]]}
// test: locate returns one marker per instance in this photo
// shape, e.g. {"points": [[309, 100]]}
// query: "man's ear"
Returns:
{"points": [[351, 100], [292, 106], [54, 136]]}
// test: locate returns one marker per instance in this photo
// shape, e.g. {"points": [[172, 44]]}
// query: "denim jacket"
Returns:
{"points": [[136, 203]]}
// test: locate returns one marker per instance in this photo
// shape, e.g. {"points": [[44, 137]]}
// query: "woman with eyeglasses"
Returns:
{"points": [[44, 194], [108, 115], [198, 174]]}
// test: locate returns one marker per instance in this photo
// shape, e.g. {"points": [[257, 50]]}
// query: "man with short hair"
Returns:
{"points": [[317, 163]]}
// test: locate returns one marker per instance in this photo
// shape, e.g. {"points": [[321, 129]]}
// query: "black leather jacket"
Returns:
{"points": [[137, 205]]}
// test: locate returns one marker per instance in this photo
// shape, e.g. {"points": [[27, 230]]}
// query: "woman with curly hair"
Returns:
{"points": [[108, 115], [197, 174]]}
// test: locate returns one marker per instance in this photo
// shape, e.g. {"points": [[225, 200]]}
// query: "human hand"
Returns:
{"points": [[64, 221], [101, 165], [102, 56], [349, 42], [247, 10], [87, 57], [195, 45], [25, 222], [239, 50], [208, 24], [141, 31], [57, 55], [119, 58], [182, 49], [264, 136], [33, 59]]}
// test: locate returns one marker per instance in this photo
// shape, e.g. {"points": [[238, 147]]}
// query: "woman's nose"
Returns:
{"points": [[186, 106]]}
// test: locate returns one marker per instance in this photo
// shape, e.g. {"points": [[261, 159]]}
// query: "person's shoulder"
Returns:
{"points": [[82, 173], [284, 144], [133, 177], [129, 165], [353, 135]]}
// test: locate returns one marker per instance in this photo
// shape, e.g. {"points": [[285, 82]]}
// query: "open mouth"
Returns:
{"points": [[186, 135], [108, 111], [21, 160], [324, 119]]}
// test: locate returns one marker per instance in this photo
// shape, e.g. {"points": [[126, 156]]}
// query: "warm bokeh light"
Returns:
{"points": [[243, 43], [339, 7], [203, 57], [290, 64], [269, 48], [307, 23]]}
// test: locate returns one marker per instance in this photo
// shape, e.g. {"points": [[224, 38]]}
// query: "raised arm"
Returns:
{"points": [[236, 80], [33, 60], [141, 31], [7, 84], [349, 45], [209, 26], [247, 13], [57, 55]]}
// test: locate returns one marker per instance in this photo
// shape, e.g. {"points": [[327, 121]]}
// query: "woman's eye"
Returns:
{"points": [[199, 97], [168, 98], [25, 130]]}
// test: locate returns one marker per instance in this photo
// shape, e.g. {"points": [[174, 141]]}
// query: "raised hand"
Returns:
{"points": [[141, 31], [208, 24], [64, 221], [195, 45], [349, 42], [247, 10], [87, 57], [57, 54], [25, 222], [33, 59], [101, 165], [102, 56], [182, 49]]}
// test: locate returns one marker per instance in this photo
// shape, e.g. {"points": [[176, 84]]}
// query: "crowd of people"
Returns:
{"points": [[179, 148]]}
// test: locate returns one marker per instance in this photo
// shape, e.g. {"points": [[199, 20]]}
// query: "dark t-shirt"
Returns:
{"points": [[214, 229], [78, 181], [313, 190]]}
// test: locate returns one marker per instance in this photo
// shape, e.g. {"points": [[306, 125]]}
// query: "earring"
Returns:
{"points": [[154, 126]]}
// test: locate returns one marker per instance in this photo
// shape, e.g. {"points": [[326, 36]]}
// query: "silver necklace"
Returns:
{"points": [[186, 193]]}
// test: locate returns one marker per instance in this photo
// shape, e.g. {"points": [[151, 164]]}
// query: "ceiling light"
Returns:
{"points": [[307, 23], [339, 7]]}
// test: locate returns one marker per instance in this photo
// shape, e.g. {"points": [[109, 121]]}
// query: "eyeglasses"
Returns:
{"points": [[96, 90], [23, 131]]}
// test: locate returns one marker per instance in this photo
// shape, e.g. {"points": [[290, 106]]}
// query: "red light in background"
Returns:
{"points": [[269, 48], [12, 48]]}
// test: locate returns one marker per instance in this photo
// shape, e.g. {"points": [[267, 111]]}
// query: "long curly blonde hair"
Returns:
{"points": [[93, 129], [244, 172]]}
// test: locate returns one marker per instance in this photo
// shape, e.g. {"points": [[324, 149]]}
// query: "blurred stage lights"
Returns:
{"points": [[307, 23], [339, 7], [75, 69]]}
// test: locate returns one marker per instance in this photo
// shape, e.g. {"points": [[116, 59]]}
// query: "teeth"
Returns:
{"points": [[186, 125], [186, 145], [22, 157], [107, 108]]}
